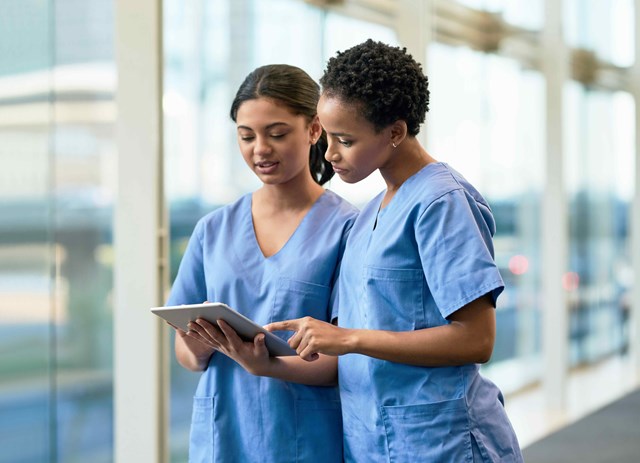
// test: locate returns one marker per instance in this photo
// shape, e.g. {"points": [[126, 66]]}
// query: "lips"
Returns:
{"points": [[338, 170], [266, 164], [266, 167]]}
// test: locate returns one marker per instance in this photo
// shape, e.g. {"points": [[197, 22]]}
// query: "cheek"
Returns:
{"points": [[299, 153], [363, 158], [246, 153]]}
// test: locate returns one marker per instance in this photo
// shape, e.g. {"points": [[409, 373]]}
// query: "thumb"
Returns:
{"points": [[259, 340]]}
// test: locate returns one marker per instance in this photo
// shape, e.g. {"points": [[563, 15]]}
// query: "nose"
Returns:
{"points": [[331, 155], [261, 146]]}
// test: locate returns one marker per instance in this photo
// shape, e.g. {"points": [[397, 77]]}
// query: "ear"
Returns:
{"points": [[315, 130], [398, 132]]}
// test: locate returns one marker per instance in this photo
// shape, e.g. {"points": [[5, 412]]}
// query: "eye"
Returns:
{"points": [[247, 138], [345, 143], [277, 135]]}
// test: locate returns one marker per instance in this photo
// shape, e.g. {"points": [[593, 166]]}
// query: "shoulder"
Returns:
{"points": [[439, 182], [449, 196], [224, 214], [337, 206]]}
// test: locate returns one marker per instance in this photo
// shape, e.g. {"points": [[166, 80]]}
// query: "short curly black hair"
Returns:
{"points": [[385, 81]]}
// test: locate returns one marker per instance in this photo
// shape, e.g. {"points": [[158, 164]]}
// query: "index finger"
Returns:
{"points": [[285, 325]]}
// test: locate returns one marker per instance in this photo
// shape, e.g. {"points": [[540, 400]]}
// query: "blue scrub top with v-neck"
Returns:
{"points": [[407, 267], [238, 416]]}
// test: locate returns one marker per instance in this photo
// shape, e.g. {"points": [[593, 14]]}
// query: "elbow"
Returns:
{"points": [[484, 350], [484, 357], [191, 365]]}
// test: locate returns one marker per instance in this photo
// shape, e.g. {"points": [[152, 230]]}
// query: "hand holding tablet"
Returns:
{"points": [[181, 315]]}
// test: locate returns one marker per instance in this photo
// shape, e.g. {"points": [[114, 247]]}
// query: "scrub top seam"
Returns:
{"points": [[428, 206]]}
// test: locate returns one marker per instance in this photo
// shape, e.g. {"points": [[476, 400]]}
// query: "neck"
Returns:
{"points": [[296, 195], [407, 159]]}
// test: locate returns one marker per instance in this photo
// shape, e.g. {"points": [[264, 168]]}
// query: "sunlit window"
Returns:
{"points": [[606, 28], [486, 120], [599, 171]]}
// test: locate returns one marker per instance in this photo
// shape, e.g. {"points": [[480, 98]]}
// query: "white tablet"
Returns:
{"points": [[181, 315]]}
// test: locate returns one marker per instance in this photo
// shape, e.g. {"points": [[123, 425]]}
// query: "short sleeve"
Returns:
{"points": [[189, 286], [454, 237]]}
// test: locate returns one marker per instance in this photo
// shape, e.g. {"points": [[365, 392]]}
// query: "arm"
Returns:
{"points": [[254, 356], [468, 338], [192, 352], [190, 285]]}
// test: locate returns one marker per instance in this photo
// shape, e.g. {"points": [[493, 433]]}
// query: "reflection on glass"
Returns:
{"points": [[57, 82], [599, 177], [486, 120]]}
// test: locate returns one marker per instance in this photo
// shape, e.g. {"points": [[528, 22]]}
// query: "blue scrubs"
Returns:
{"points": [[238, 417], [410, 266]]}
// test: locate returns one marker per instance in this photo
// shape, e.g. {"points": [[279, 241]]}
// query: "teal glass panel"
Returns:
{"points": [[57, 117]]}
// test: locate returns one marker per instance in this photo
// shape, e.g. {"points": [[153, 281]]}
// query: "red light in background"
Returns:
{"points": [[570, 281], [518, 264]]}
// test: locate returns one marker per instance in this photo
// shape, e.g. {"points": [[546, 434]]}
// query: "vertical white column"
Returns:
{"points": [[414, 26], [634, 335], [555, 229], [140, 344]]}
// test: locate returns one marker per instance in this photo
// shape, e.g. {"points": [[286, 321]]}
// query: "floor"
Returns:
{"points": [[588, 389]]}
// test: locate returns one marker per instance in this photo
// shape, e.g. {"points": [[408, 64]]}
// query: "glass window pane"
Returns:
{"points": [[600, 188], [496, 142], [26, 249], [528, 14], [607, 28], [26, 292], [57, 81]]}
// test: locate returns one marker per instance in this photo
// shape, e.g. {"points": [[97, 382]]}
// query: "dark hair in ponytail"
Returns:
{"points": [[295, 89]]}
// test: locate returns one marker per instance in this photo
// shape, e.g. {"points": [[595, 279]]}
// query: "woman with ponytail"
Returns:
{"points": [[272, 255]]}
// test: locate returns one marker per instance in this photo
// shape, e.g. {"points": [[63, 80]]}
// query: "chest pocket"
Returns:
{"points": [[394, 299], [296, 299]]}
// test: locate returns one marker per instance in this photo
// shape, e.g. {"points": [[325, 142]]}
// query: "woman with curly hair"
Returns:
{"points": [[418, 283]]}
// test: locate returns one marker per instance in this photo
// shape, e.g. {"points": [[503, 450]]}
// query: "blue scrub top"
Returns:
{"points": [[238, 417], [408, 267]]}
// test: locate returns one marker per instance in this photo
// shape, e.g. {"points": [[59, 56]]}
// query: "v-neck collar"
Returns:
{"points": [[293, 235]]}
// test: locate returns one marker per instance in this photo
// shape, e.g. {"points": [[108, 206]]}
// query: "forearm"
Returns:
{"points": [[188, 359], [468, 338], [321, 372], [447, 345]]}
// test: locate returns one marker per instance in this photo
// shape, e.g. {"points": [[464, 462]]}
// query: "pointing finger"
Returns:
{"points": [[286, 325]]}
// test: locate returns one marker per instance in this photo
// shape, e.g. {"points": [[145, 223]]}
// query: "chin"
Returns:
{"points": [[349, 179]]}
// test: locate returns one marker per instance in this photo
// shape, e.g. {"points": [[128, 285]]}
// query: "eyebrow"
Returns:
{"points": [[340, 134], [270, 126]]}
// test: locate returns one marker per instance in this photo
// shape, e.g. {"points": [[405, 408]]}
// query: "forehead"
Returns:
{"points": [[264, 111], [338, 116]]}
